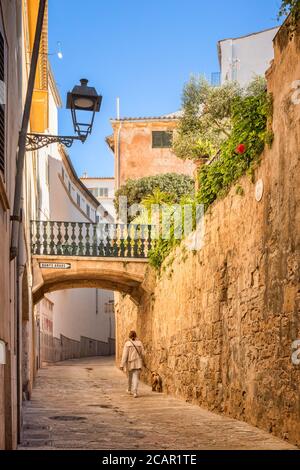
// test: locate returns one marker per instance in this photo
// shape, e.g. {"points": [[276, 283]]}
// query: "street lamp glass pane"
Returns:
{"points": [[83, 103]]}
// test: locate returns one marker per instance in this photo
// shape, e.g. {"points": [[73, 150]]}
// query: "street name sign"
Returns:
{"points": [[55, 265]]}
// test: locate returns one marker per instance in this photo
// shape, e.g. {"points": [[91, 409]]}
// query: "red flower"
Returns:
{"points": [[241, 148]]}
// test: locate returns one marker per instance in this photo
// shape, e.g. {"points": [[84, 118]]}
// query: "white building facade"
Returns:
{"points": [[242, 59], [103, 189]]}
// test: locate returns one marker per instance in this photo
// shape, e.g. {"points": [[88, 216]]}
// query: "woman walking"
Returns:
{"points": [[133, 360]]}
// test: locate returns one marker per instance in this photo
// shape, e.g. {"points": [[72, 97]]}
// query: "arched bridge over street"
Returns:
{"points": [[70, 255]]}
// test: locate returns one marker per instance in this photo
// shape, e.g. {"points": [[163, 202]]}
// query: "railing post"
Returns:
{"points": [[73, 238], [149, 239], [66, 238], [142, 249], [87, 239], [38, 238], [59, 238], [52, 244], [108, 244], [45, 238], [115, 249], [128, 241], [101, 247], [80, 238], [135, 241], [122, 241], [95, 240]]}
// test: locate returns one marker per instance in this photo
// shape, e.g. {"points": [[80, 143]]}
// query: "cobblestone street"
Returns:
{"points": [[83, 404]]}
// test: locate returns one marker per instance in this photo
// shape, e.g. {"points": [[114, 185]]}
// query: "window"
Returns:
{"points": [[69, 187], [63, 174], [2, 103], [97, 219], [162, 139], [88, 211], [99, 192], [103, 192], [78, 199]]}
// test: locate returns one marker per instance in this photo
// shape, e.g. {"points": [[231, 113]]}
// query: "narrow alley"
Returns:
{"points": [[83, 404]]}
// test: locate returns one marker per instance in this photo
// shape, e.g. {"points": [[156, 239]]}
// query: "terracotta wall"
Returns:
{"points": [[220, 323], [136, 156]]}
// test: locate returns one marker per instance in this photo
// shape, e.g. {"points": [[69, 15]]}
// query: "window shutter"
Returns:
{"points": [[167, 139], [162, 139], [156, 139], [2, 105]]}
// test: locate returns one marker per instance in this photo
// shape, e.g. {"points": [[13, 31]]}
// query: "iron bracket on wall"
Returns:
{"points": [[37, 141]]}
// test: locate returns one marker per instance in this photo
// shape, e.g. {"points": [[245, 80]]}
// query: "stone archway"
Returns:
{"points": [[51, 274]]}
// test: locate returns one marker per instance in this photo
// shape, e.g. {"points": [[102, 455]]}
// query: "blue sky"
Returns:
{"points": [[142, 51]]}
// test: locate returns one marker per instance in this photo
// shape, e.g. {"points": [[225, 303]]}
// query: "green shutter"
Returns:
{"points": [[161, 139]]}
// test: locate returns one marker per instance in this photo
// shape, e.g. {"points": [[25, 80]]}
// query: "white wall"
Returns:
{"points": [[97, 183], [244, 58], [76, 315]]}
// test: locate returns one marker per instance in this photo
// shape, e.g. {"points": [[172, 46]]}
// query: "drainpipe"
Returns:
{"points": [[118, 154], [118, 143], [23, 133]]}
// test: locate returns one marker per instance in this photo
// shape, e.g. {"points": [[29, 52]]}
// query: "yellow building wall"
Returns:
{"points": [[39, 117]]}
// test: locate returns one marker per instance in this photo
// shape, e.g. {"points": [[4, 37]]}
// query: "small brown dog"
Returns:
{"points": [[156, 382]]}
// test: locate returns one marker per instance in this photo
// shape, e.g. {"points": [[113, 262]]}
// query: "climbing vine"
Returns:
{"points": [[250, 132]]}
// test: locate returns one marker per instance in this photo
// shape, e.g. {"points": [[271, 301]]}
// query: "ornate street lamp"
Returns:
{"points": [[82, 98]]}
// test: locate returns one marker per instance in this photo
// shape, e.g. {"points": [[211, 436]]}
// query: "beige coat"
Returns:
{"points": [[130, 358]]}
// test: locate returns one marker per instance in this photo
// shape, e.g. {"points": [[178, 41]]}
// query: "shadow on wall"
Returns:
{"points": [[56, 350]]}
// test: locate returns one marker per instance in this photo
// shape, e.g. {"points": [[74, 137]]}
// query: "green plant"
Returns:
{"points": [[173, 185], [205, 123], [239, 190], [291, 7], [163, 246], [247, 130], [249, 115]]}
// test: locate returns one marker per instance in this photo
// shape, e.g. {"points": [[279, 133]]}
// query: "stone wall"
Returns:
{"points": [[220, 322]]}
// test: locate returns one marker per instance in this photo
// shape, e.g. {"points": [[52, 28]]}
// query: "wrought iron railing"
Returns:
{"points": [[94, 240]]}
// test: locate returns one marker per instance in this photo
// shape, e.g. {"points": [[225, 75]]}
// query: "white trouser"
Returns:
{"points": [[133, 380]]}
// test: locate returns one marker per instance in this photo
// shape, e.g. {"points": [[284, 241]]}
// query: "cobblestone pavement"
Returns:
{"points": [[83, 404]]}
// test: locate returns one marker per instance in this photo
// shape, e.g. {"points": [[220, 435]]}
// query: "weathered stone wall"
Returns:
{"points": [[220, 323]]}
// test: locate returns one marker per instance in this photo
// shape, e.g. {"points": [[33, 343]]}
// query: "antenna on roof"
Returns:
{"points": [[118, 108]]}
